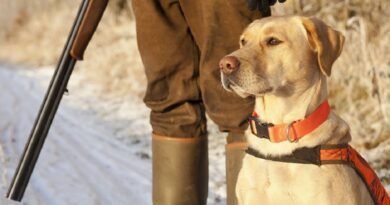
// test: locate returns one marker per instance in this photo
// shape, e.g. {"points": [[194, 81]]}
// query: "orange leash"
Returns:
{"points": [[350, 156], [335, 154]]}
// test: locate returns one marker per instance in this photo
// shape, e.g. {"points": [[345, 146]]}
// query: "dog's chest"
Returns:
{"points": [[279, 175], [281, 182]]}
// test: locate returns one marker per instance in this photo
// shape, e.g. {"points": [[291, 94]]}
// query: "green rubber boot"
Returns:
{"points": [[180, 170]]}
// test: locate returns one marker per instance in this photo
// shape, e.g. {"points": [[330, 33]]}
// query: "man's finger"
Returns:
{"points": [[264, 8], [252, 4], [272, 2]]}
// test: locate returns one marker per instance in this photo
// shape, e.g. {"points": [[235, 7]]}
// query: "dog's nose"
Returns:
{"points": [[229, 64]]}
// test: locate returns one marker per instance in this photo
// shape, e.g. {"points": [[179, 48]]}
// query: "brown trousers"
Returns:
{"points": [[181, 43]]}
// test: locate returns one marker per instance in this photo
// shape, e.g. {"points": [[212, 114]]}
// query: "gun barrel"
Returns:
{"points": [[78, 39]]}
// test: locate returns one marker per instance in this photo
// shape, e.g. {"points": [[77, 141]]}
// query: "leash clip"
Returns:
{"points": [[288, 133]]}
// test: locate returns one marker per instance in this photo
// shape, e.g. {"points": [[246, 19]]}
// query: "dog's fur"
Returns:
{"points": [[284, 63]]}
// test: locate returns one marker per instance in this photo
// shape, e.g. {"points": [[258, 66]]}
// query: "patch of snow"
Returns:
{"points": [[81, 163]]}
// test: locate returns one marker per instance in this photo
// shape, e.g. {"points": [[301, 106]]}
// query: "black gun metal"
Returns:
{"points": [[56, 89]]}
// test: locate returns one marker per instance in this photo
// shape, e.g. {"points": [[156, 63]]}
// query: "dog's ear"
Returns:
{"points": [[326, 42]]}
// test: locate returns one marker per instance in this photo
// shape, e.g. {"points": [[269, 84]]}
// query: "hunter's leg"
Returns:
{"points": [[170, 57], [217, 25]]}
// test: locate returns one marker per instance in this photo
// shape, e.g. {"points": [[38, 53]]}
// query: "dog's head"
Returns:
{"points": [[280, 56]]}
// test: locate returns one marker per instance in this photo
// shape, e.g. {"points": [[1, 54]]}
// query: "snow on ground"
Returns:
{"points": [[80, 163], [97, 152]]}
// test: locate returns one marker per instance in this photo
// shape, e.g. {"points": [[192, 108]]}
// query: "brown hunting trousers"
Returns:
{"points": [[181, 43]]}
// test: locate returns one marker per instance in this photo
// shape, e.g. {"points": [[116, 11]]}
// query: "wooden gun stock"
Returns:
{"points": [[88, 27]]}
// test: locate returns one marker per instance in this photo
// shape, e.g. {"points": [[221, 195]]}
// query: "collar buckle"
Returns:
{"points": [[259, 128]]}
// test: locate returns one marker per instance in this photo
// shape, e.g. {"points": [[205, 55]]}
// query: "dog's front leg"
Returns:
{"points": [[248, 188]]}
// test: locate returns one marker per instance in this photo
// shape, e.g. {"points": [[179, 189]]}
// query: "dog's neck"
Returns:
{"points": [[281, 109]]}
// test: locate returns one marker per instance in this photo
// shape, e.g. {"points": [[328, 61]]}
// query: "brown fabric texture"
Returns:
{"points": [[181, 43]]}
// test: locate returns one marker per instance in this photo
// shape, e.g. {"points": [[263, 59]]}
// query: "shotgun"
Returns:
{"points": [[85, 24]]}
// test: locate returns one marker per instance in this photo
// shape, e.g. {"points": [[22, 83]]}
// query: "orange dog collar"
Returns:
{"points": [[292, 131]]}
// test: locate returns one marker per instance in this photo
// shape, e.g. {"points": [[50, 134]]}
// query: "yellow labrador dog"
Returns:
{"points": [[284, 62]]}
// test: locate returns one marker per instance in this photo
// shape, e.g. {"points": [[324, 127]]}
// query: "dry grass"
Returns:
{"points": [[37, 39], [358, 87]]}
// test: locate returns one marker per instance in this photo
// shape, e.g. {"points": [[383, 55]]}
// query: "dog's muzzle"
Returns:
{"points": [[229, 64]]}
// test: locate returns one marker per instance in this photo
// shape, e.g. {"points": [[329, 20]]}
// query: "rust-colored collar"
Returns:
{"points": [[292, 131]]}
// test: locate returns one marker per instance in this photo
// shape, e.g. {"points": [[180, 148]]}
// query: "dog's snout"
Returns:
{"points": [[229, 64]]}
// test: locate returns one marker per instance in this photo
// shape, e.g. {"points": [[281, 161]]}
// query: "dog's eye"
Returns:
{"points": [[273, 41], [243, 42]]}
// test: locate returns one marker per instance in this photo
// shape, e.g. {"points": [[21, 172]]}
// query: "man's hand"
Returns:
{"points": [[264, 6]]}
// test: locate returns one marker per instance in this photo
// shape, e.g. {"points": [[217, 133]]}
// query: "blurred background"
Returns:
{"points": [[33, 33]]}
